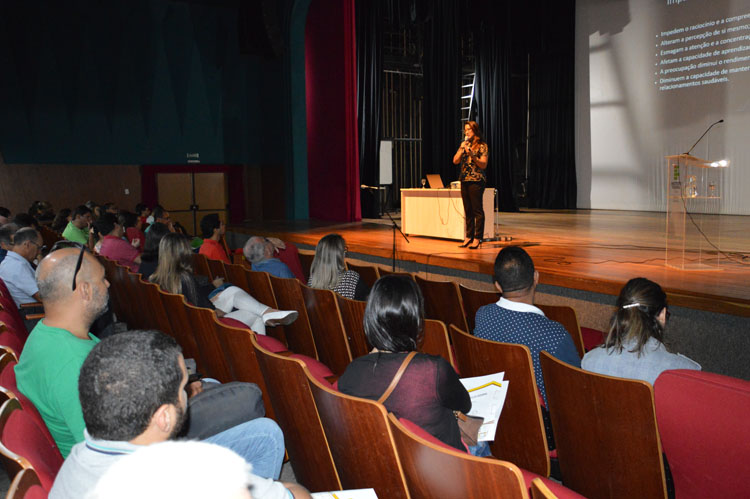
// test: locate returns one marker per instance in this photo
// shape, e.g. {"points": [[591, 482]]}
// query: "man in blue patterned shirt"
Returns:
{"points": [[515, 319]]}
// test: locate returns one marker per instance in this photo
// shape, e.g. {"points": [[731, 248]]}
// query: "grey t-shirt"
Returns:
{"points": [[653, 360], [90, 459]]}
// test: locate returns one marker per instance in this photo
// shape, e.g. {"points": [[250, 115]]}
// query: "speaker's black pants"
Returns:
{"points": [[472, 194]]}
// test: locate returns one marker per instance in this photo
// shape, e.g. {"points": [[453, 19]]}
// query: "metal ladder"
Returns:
{"points": [[468, 104]]}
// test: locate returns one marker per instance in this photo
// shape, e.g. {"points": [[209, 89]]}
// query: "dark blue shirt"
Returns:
{"points": [[526, 325]]}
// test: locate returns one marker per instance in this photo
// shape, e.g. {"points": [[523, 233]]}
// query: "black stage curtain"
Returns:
{"points": [[442, 130], [552, 167], [370, 19], [492, 53]]}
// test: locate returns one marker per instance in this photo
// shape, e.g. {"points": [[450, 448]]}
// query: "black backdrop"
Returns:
{"points": [[369, 18], [493, 95], [442, 88], [507, 35]]}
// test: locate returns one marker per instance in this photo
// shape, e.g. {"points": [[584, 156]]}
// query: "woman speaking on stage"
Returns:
{"points": [[472, 155]]}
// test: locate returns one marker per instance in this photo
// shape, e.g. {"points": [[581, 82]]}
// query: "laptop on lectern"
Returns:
{"points": [[435, 181]]}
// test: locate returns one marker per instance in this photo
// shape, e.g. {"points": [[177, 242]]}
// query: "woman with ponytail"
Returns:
{"points": [[634, 347]]}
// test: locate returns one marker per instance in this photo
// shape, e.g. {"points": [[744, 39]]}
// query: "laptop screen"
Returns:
{"points": [[435, 181]]}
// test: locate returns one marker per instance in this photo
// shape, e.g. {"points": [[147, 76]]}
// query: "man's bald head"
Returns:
{"points": [[54, 276]]}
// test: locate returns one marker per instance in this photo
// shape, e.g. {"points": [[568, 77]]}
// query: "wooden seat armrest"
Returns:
{"points": [[33, 317], [31, 305]]}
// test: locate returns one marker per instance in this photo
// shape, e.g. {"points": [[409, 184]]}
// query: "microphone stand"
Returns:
{"points": [[395, 228], [704, 134]]}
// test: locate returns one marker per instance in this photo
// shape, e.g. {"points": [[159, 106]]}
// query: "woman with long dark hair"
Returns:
{"points": [[634, 347], [472, 156], [429, 390]]}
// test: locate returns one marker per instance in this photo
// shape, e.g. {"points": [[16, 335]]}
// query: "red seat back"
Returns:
{"points": [[10, 339], [290, 256], [26, 485], [13, 318], [22, 439], [8, 381], [269, 343], [704, 432]]}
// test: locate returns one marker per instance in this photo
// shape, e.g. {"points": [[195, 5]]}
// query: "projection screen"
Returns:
{"points": [[651, 76]]}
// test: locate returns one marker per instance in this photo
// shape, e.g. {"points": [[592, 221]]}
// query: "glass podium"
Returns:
{"points": [[694, 190]]}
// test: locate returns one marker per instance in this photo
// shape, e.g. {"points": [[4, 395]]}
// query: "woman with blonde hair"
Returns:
{"points": [[174, 274], [328, 270], [634, 347]]}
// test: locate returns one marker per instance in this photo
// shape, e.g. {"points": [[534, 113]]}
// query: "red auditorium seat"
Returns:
{"points": [[703, 425], [8, 381], [267, 342], [26, 485], [22, 443]]}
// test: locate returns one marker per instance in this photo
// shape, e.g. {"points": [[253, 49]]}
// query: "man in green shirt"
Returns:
{"points": [[73, 289], [78, 228]]}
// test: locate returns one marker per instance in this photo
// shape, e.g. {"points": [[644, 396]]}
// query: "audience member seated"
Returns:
{"points": [[515, 319], [160, 469], [79, 227], [142, 211], [7, 231], [4, 215], [160, 215], [429, 390], [328, 270], [132, 390], [133, 226], [42, 211], [113, 245], [96, 210], [110, 208], [259, 251], [634, 347], [25, 220], [73, 290], [212, 229], [16, 269], [61, 220], [175, 275], [150, 255]]}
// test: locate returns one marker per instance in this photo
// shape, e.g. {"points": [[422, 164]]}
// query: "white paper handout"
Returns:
{"points": [[487, 399], [347, 494]]}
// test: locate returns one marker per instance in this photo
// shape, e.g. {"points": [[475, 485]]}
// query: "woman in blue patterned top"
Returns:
{"points": [[472, 155]]}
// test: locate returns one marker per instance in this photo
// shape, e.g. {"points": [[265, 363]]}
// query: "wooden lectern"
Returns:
{"points": [[694, 190]]}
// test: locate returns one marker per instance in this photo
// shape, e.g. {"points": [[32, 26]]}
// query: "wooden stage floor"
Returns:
{"points": [[591, 250]]}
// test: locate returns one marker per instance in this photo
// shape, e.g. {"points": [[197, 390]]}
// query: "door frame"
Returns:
{"points": [[235, 184]]}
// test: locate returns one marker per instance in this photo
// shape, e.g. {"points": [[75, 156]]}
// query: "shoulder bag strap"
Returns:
{"points": [[397, 377]]}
